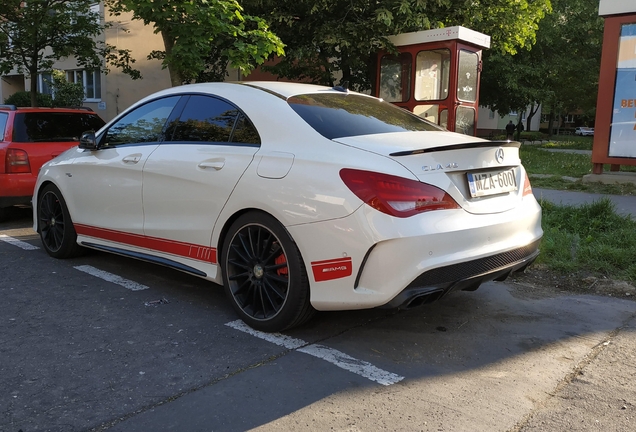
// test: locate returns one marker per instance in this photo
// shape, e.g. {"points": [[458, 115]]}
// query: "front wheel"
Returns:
{"points": [[264, 274], [55, 226]]}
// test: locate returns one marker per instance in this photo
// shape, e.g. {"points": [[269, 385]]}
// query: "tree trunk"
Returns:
{"points": [[168, 44], [531, 114], [34, 87], [551, 123]]}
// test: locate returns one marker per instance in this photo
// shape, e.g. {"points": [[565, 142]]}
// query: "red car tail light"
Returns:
{"points": [[527, 189], [396, 196], [17, 161]]}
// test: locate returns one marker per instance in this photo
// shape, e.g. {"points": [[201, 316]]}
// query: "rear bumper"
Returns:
{"points": [[467, 276], [16, 189], [385, 258]]}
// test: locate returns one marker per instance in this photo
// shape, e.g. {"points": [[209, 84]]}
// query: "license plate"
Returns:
{"points": [[492, 182]]}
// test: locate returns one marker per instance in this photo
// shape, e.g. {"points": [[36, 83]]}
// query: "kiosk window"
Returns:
{"points": [[432, 74], [395, 77], [467, 79]]}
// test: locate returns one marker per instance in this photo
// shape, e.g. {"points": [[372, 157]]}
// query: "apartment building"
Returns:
{"points": [[107, 93]]}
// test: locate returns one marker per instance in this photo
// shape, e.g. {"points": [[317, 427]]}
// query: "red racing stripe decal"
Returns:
{"points": [[187, 250], [331, 269]]}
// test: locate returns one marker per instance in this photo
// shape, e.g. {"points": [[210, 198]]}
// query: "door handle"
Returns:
{"points": [[132, 159], [217, 165]]}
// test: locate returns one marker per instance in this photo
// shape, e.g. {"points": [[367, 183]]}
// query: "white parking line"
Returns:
{"points": [[275, 338], [331, 355], [18, 243], [133, 286], [351, 364]]}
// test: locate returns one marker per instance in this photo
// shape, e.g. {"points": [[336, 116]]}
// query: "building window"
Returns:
{"points": [[94, 9], [44, 83], [90, 80], [569, 118], [491, 114], [512, 113]]}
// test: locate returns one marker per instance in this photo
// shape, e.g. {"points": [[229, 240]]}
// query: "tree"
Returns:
{"points": [[325, 38], [36, 33], [202, 37], [560, 72]]}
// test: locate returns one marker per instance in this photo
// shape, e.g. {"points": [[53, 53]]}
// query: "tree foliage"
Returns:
{"points": [[560, 71], [325, 38], [201, 38], [36, 33]]}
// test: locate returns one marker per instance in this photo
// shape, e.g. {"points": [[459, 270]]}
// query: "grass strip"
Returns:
{"points": [[589, 239]]}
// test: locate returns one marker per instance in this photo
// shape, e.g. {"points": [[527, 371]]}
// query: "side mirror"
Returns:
{"points": [[87, 140]]}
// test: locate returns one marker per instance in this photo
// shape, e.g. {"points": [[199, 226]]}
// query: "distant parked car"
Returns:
{"points": [[584, 131], [29, 137]]}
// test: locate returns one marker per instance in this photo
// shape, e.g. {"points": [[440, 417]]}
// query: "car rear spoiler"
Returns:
{"points": [[459, 147]]}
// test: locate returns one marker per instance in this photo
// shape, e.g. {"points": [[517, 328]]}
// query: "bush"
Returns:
{"points": [[23, 99], [532, 136], [67, 94]]}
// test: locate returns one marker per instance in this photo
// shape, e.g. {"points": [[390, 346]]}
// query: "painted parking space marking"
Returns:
{"points": [[109, 277], [330, 355], [18, 243], [352, 364], [275, 338]]}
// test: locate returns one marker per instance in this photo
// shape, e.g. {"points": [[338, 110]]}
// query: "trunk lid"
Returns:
{"points": [[455, 163]]}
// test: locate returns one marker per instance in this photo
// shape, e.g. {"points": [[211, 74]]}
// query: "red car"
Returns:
{"points": [[29, 137]]}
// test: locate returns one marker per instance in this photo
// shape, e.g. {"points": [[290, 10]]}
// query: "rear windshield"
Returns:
{"points": [[53, 126], [343, 115]]}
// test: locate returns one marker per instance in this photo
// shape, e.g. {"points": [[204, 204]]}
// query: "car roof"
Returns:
{"points": [[288, 89], [278, 88]]}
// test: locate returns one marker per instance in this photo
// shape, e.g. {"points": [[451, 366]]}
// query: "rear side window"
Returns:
{"points": [[53, 126], [208, 119], [343, 115], [245, 132], [3, 124]]}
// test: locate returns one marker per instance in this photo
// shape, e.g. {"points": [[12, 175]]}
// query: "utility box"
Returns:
{"points": [[435, 75]]}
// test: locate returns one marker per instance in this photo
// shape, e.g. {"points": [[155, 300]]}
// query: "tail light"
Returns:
{"points": [[527, 189], [396, 196], [17, 161]]}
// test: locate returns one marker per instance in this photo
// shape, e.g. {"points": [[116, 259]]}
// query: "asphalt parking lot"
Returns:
{"points": [[103, 342]]}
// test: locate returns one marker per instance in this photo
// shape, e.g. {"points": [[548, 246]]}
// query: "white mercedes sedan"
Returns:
{"points": [[294, 197]]}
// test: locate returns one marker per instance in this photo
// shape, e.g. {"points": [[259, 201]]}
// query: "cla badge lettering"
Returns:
{"points": [[499, 155], [439, 167]]}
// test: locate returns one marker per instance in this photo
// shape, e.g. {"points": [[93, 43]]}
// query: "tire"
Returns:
{"points": [[56, 229], [264, 275]]}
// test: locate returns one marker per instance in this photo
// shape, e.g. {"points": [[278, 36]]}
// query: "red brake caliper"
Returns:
{"points": [[280, 259]]}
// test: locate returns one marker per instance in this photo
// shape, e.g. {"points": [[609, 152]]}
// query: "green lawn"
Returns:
{"points": [[538, 160], [590, 239]]}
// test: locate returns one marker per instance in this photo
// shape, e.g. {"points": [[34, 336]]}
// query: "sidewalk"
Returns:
{"points": [[625, 205]]}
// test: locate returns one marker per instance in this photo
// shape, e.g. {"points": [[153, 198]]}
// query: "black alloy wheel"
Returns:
{"points": [[55, 226], [264, 275]]}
